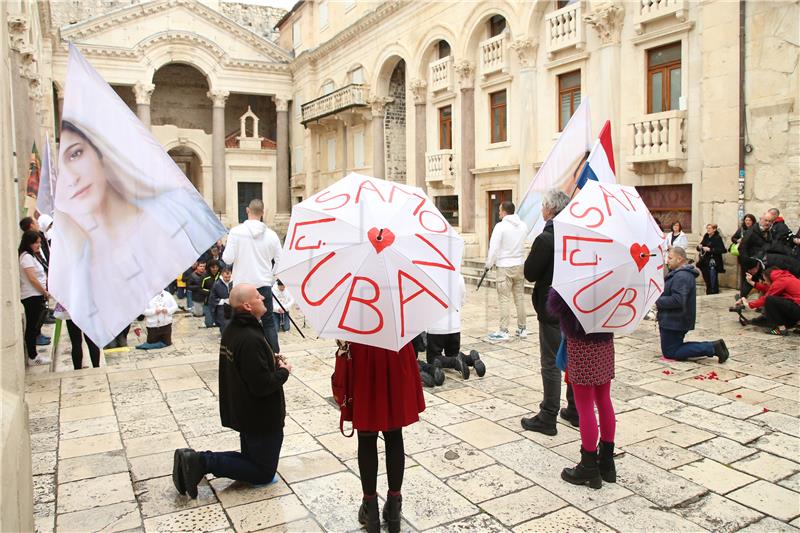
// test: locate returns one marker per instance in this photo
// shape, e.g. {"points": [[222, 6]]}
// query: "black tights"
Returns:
{"points": [[76, 337], [368, 460]]}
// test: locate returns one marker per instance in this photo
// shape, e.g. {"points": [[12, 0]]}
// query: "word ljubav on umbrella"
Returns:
{"points": [[609, 257], [371, 261]]}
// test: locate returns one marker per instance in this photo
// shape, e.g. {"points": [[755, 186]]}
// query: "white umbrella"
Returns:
{"points": [[608, 257], [371, 261]]}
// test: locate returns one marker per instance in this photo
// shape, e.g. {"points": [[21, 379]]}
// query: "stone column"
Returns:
{"points": [[526, 53], [143, 92], [419, 88], [218, 180], [378, 104], [282, 164], [466, 203]]}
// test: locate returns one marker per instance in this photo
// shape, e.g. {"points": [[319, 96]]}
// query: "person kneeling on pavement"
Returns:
{"points": [[780, 300], [158, 315], [251, 402]]}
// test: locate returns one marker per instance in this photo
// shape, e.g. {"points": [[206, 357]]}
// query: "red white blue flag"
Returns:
{"points": [[600, 163]]}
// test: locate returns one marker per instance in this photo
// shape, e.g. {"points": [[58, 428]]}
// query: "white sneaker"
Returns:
{"points": [[498, 335], [522, 333], [40, 360]]}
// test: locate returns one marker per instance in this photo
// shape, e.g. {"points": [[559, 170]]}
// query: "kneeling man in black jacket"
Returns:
{"points": [[251, 402]]}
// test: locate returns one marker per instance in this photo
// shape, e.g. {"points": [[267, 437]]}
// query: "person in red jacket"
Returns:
{"points": [[780, 299]]}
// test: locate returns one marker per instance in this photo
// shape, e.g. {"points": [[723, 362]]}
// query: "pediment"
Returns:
{"points": [[133, 31]]}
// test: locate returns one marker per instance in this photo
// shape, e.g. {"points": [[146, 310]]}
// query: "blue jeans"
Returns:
{"points": [[282, 321], [208, 318], [189, 301], [267, 322], [256, 463], [673, 347]]}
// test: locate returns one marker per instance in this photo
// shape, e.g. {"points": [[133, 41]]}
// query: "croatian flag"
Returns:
{"points": [[600, 163]]}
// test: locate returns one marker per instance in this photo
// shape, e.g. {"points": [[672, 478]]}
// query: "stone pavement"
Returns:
{"points": [[707, 446]]}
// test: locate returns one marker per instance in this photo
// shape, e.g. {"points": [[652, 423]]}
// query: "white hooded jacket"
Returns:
{"points": [[251, 248], [507, 245]]}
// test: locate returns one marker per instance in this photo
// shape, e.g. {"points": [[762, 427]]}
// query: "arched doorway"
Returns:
{"points": [[191, 165], [394, 124]]}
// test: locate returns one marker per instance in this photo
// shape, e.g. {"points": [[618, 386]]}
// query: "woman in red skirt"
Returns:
{"points": [[387, 395], [590, 369]]}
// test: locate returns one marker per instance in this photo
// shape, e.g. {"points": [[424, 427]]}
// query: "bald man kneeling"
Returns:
{"points": [[250, 401]]}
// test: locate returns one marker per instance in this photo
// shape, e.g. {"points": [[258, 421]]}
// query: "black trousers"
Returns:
{"points": [[161, 333], [76, 338], [781, 311], [34, 316], [446, 344]]}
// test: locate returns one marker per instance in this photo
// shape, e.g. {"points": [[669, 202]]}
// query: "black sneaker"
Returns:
{"points": [[427, 379], [570, 416], [536, 424], [721, 351], [480, 366]]}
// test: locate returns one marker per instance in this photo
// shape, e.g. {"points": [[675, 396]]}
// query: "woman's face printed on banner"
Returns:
{"points": [[82, 181]]}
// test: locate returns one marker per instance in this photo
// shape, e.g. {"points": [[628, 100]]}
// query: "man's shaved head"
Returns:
{"points": [[241, 294]]}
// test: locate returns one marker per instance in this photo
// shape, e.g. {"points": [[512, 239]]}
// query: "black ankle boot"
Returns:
{"points": [[605, 462], [391, 512], [192, 469], [368, 514], [460, 364], [586, 472], [427, 379], [474, 360], [438, 373]]}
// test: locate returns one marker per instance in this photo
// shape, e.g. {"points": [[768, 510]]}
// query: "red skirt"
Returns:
{"points": [[387, 391]]}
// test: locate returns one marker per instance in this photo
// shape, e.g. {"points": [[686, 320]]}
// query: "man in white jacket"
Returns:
{"points": [[507, 252], [252, 249]]}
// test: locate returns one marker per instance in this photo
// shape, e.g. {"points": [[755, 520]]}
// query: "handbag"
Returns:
{"points": [[342, 385], [561, 355], [734, 250]]}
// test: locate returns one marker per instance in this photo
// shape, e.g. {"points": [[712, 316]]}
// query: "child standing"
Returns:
{"points": [[282, 297], [158, 315]]}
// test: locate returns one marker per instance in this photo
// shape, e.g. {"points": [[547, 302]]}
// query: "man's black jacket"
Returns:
{"points": [[539, 270]]}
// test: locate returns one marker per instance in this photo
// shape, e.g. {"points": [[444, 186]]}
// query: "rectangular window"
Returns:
{"points": [[297, 39], [357, 75], [446, 127], [331, 154], [497, 102], [664, 78], [323, 14], [297, 160], [569, 96], [448, 206], [358, 149]]}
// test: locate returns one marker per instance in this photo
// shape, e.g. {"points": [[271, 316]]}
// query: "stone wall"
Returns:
{"points": [[180, 98], [72, 12], [262, 106], [259, 19], [395, 125]]}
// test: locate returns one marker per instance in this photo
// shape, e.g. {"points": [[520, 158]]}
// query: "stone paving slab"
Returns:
{"points": [[703, 446]]}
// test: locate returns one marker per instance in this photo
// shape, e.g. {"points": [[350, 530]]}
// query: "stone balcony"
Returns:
{"points": [[564, 29], [440, 167], [494, 54], [349, 96], [659, 137], [441, 75], [651, 10]]}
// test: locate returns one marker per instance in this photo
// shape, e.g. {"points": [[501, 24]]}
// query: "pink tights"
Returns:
{"points": [[586, 397]]}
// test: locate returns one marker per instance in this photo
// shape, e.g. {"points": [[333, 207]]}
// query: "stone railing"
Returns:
{"points": [[660, 137], [348, 96], [564, 29], [494, 54], [650, 10], [442, 74], [440, 166]]}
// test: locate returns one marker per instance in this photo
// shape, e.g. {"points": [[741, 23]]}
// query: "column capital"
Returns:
{"points": [[419, 89], [218, 97], [281, 102], [526, 52], [465, 71], [606, 19], [143, 91], [378, 104]]}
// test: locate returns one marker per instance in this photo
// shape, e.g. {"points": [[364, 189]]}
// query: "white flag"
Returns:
{"points": [[127, 220], [44, 198]]}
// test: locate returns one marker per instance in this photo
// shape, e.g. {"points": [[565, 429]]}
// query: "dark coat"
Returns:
{"points": [[780, 241], [205, 286], [250, 383], [539, 270], [194, 284], [717, 249], [219, 291], [754, 243], [677, 305]]}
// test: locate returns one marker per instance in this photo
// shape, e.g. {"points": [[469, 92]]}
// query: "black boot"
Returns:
{"points": [[193, 469], [570, 416], [438, 373], [368, 514], [474, 360], [721, 351], [427, 379], [460, 364], [391, 512], [586, 472], [605, 462], [177, 475]]}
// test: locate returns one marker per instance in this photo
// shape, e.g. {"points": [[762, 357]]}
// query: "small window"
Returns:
{"points": [[664, 78], [446, 127], [448, 206], [564, 3], [297, 38], [497, 102], [297, 159], [328, 87], [323, 14], [358, 149], [497, 24], [332, 154], [569, 96], [443, 47], [357, 75]]}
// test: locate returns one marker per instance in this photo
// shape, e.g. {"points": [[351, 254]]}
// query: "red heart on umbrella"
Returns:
{"points": [[380, 239], [640, 254]]}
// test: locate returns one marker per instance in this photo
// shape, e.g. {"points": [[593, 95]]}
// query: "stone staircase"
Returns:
{"points": [[472, 270]]}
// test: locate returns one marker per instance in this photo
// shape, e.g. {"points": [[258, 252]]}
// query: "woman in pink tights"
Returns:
{"points": [[590, 369]]}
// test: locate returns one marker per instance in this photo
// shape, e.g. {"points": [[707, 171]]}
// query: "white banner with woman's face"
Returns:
{"points": [[127, 220]]}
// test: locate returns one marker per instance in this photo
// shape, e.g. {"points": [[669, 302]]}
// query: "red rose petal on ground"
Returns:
{"points": [[666, 372], [765, 410], [738, 395]]}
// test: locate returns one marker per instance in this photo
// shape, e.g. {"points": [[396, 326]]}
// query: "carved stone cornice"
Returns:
{"points": [[378, 104], [606, 18], [466, 74], [419, 89], [218, 97], [281, 103], [526, 52], [142, 91], [17, 32]]}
